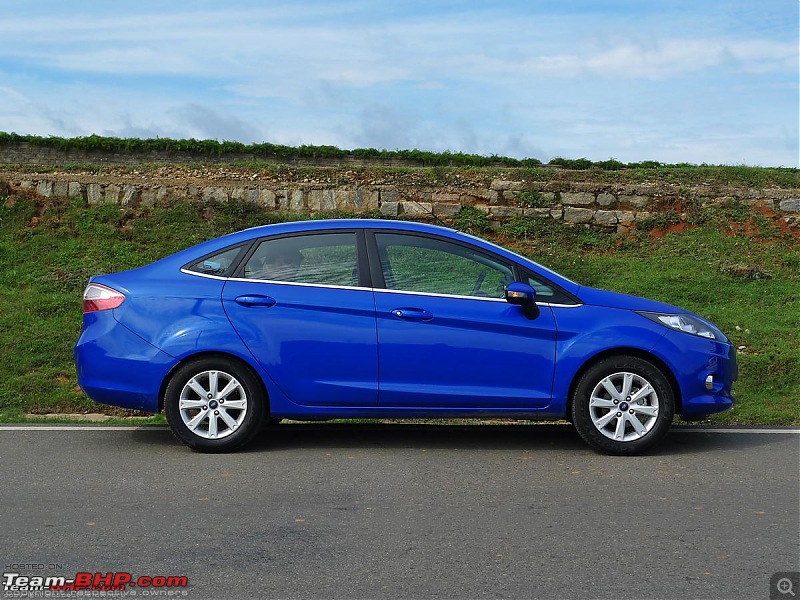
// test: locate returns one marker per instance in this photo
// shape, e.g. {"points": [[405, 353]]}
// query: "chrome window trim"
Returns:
{"points": [[482, 298], [296, 283], [435, 295], [328, 286], [206, 275], [367, 289]]}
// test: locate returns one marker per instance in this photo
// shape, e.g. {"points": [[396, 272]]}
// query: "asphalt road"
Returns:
{"points": [[412, 511]]}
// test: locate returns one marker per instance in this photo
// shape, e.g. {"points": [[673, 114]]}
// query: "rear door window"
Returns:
{"points": [[320, 258]]}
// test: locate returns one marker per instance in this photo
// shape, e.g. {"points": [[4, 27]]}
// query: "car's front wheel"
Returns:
{"points": [[623, 405], [214, 404]]}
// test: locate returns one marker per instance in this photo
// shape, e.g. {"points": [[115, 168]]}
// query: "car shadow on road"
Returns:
{"points": [[544, 437], [426, 436], [483, 437]]}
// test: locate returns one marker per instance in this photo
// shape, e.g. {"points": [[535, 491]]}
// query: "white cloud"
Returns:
{"points": [[658, 60], [517, 78], [13, 94]]}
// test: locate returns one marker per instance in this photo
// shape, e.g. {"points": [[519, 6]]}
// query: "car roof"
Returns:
{"points": [[329, 224], [315, 224]]}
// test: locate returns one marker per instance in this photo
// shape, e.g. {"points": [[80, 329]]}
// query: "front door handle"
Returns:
{"points": [[412, 314], [256, 300]]}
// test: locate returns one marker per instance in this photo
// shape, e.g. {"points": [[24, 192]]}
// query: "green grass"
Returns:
{"points": [[47, 253]]}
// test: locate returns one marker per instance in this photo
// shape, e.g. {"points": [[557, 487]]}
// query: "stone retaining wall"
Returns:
{"points": [[501, 200]]}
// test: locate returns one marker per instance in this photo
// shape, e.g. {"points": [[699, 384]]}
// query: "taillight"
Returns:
{"points": [[99, 297]]}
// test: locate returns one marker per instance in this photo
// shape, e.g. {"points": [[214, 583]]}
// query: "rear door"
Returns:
{"points": [[303, 306]]}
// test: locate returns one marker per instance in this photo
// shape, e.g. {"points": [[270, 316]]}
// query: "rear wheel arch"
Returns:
{"points": [[204, 355], [215, 402]]}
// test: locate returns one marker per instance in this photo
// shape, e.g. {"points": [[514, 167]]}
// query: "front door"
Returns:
{"points": [[446, 335]]}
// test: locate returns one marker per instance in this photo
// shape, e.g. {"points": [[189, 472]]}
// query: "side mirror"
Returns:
{"points": [[525, 296]]}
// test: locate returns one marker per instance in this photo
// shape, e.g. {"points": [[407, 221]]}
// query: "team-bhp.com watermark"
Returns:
{"points": [[93, 585]]}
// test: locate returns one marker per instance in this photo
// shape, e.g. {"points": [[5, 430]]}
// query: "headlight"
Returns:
{"points": [[687, 324]]}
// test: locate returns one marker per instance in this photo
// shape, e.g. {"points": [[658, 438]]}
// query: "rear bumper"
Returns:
{"points": [[117, 367]]}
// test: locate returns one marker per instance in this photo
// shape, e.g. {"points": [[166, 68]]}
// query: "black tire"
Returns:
{"points": [[626, 422], [237, 413]]}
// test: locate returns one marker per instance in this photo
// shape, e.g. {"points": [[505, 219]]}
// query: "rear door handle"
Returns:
{"points": [[412, 314], [256, 300]]}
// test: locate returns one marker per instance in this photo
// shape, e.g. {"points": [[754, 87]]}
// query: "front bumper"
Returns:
{"points": [[705, 371]]}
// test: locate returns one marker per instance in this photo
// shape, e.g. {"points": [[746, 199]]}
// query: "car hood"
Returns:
{"points": [[597, 297]]}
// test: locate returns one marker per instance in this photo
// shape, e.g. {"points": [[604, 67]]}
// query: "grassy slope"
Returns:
{"points": [[749, 286]]}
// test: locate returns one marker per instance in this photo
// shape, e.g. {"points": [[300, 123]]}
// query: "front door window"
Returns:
{"points": [[430, 265]]}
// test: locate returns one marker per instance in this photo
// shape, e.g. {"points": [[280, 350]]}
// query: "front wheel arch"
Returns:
{"points": [[614, 387], [637, 353]]}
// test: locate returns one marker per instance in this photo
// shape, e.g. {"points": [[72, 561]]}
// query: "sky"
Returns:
{"points": [[697, 81]]}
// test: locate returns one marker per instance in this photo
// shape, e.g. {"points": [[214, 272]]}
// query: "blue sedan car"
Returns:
{"points": [[376, 319]]}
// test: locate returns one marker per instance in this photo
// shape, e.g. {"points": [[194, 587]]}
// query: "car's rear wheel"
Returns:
{"points": [[214, 404], [623, 405]]}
